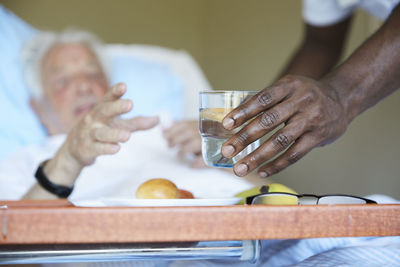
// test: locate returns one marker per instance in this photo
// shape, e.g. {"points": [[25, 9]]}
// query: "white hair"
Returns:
{"points": [[35, 50]]}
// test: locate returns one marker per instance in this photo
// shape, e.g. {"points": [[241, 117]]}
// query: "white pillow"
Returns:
{"points": [[18, 125], [179, 62], [152, 87]]}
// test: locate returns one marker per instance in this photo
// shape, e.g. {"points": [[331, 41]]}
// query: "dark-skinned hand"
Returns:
{"points": [[310, 112]]}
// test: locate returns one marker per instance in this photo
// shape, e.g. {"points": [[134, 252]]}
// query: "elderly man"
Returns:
{"points": [[75, 99], [67, 77]]}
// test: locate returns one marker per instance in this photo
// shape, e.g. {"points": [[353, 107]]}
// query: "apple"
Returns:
{"points": [[160, 188], [157, 188]]}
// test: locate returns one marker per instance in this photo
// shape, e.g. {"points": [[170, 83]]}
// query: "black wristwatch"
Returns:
{"points": [[59, 190]]}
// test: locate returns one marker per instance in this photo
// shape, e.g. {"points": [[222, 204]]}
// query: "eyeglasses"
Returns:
{"points": [[277, 198]]}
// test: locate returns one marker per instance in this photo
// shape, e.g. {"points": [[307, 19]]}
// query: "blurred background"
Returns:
{"points": [[244, 45]]}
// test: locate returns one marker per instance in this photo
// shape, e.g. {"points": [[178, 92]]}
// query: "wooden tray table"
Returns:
{"points": [[27, 224]]}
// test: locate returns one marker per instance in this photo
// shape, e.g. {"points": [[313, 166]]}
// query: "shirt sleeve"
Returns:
{"points": [[326, 12]]}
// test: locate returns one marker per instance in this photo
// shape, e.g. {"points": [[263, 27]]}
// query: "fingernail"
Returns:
{"points": [[115, 149], [228, 123], [227, 151], [119, 89], [263, 174], [241, 169], [127, 106], [124, 135]]}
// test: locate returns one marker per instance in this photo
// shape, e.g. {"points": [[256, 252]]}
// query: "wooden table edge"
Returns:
{"points": [[52, 222]]}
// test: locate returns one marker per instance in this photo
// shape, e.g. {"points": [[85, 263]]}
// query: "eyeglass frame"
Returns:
{"points": [[250, 199]]}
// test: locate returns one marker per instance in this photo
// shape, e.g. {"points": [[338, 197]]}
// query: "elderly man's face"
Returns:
{"points": [[73, 82]]}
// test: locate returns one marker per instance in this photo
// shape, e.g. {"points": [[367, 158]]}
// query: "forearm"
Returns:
{"points": [[372, 72], [320, 50], [62, 169], [321, 59]]}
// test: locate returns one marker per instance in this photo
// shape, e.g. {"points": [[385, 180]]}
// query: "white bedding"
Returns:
{"points": [[146, 155]]}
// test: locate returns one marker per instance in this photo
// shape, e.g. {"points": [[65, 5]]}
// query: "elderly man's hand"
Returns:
{"points": [[312, 115], [185, 135], [101, 130]]}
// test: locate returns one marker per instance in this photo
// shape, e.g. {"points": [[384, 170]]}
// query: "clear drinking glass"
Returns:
{"points": [[214, 106]]}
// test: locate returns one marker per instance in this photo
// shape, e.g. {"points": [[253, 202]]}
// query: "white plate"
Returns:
{"points": [[126, 202]]}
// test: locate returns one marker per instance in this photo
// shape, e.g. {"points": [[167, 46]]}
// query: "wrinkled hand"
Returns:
{"points": [[312, 115], [185, 135], [101, 130]]}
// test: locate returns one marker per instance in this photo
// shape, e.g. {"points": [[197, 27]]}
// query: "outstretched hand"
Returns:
{"points": [[310, 111], [101, 130]]}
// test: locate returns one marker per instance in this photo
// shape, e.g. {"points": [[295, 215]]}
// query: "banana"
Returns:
{"points": [[276, 187], [279, 199], [247, 193], [270, 188], [272, 200]]}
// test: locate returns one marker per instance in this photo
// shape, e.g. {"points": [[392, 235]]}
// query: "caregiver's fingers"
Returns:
{"points": [[297, 151], [262, 101], [137, 123], [110, 135], [260, 126], [277, 143]]}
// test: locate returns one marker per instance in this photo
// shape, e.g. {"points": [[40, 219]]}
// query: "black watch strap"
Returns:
{"points": [[59, 190]]}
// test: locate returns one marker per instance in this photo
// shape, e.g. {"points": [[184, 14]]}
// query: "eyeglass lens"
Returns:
{"points": [[276, 199], [330, 200]]}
